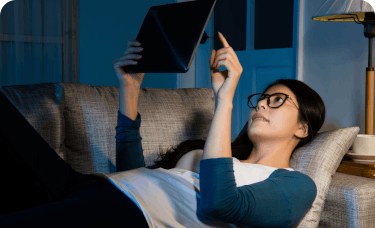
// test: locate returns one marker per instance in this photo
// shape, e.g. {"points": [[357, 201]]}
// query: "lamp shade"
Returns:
{"points": [[344, 10]]}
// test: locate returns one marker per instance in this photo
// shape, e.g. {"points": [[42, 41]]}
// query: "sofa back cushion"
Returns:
{"points": [[172, 116], [319, 159], [169, 117], [90, 114], [42, 106]]}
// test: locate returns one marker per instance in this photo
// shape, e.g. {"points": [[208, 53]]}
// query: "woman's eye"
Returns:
{"points": [[279, 98]]}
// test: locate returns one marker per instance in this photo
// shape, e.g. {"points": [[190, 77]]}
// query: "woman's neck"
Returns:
{"points": [[274, 155]]}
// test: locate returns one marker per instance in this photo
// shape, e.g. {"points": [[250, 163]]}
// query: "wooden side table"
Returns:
{"points": [[357, 169]]}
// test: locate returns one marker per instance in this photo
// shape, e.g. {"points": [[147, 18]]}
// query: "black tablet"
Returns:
{"points": [[170, 35]]}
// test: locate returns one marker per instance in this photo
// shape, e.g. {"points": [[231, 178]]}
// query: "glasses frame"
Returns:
{"points": [[268, 99]]}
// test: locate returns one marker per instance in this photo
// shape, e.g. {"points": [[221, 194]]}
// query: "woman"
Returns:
{"points": [[260, 158]]}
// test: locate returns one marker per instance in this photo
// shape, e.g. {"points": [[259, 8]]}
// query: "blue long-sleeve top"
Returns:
{"points": [[281, 200]]}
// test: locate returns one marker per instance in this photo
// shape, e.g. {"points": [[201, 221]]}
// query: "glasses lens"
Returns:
{"points": [[276, 100]]}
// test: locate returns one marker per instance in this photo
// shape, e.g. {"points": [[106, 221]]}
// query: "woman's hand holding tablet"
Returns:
{"points": [[129, 80]]}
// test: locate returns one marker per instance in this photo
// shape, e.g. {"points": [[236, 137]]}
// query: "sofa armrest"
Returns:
{"points": [[350, 202]]}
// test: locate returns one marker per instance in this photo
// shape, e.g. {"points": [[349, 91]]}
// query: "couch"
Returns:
{"points": [[78, 121]]}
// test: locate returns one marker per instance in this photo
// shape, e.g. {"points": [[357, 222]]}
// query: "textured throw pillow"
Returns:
{"points": [[320, 159]]}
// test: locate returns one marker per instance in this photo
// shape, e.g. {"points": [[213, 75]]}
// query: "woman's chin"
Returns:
{"points": [[257, 124], [256, 131]]}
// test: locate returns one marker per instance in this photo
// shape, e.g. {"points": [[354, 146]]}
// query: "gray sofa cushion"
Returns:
{"points": [[320, 159], [42, 106], [172, 116], [169, 117], [350, 202], [90, 120]]}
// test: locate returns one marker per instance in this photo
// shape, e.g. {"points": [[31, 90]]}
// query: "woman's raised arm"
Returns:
{"points": [[129, 83], [129, 152]]}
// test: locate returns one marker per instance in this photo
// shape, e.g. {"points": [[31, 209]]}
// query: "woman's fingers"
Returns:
{"points": [[133, 43], [225, 56], [130, 56], [130, 53], [227, 50], [223, 40], [127, 59], [131, 50], [218, 55], [212, 58], [122, 63]]}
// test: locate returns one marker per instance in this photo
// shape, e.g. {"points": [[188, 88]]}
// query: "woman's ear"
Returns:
{"points": [[303, 130]]}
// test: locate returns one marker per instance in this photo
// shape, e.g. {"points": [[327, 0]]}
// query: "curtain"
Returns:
{"points": [[38, 42]]}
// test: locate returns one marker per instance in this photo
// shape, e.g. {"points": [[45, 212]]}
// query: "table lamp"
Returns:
{"points": [[362, 13]]}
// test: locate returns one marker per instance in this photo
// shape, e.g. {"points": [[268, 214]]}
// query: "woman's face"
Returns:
{"points": [[282, 122]]}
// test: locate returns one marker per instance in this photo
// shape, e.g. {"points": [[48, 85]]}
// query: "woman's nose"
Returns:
{"points": [[263, 104]]}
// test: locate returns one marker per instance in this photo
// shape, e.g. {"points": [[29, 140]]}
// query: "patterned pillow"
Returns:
{"points": [[320, 159]]}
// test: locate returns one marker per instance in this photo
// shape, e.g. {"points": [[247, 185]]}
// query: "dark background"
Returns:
{"points": [[273, 21]]}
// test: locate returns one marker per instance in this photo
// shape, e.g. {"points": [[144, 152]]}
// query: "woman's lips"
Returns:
{"points": [[259, 120]]}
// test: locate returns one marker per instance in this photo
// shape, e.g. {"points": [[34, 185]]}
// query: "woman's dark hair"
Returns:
{"points": [[311, 110]]}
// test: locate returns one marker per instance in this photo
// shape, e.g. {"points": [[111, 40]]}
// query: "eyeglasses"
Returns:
{"points": [[273, 101]]}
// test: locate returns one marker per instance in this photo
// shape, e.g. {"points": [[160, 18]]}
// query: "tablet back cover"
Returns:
{"points": [[170, 35]]}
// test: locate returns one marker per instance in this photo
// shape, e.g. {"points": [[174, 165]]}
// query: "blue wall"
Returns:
{"points": [[104, 30]]}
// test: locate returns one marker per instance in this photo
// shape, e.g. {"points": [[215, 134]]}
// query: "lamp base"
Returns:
{"points": [[370, 102], [369, 31]]}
